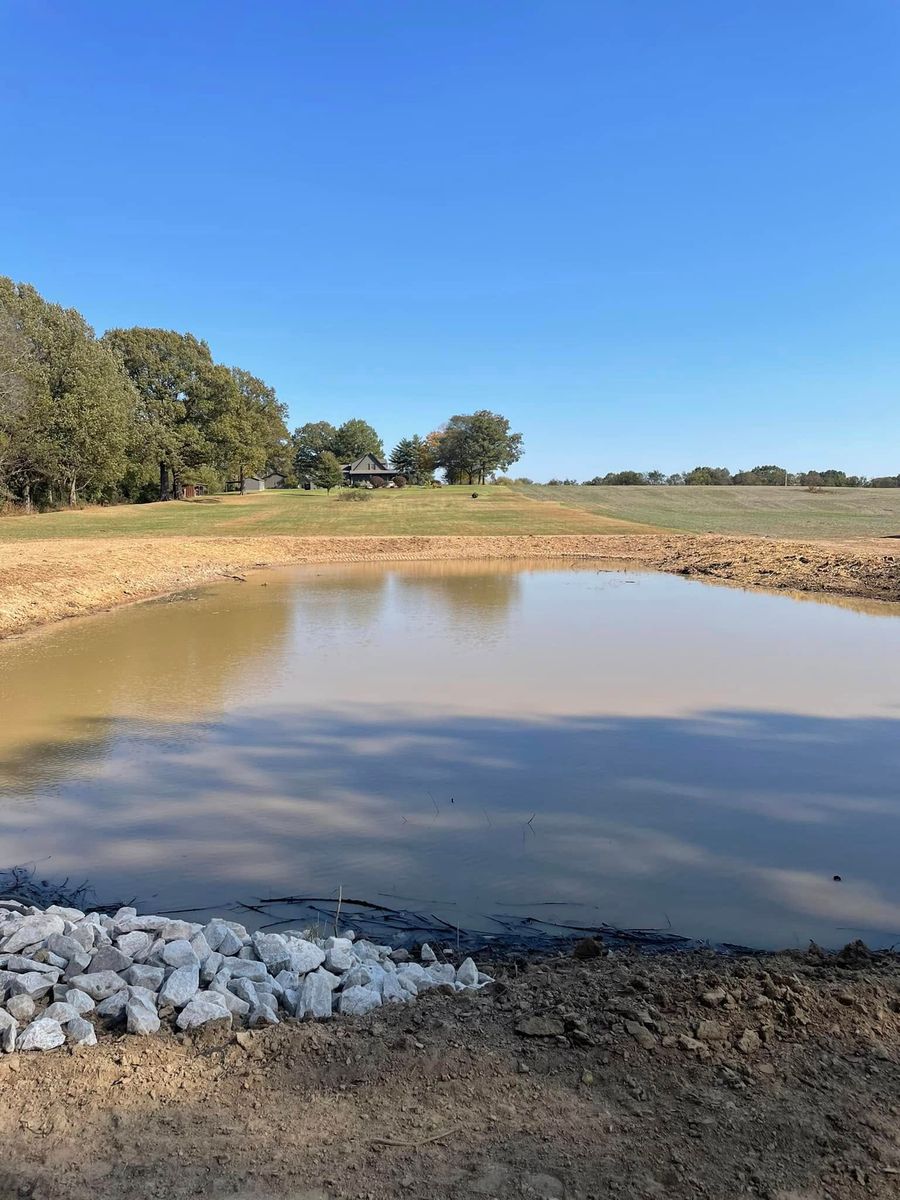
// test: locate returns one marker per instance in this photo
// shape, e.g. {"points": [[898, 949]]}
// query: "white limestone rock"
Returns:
{"points": [[141, 1018], [356, 1001], [135, 944], [62, 1012], [141, 975], [174, 931], [272, 949], [67, 914], [180, 953], [31, 931], [246, 968], [80, 1001], [80, 1033], [20, 963], [306, 956], [98, 984], [201, 947], [203, 1008], [315, 998], [262, 1015], [427, 955], [180, 987], [391, 990], [108, 958], [113, 1007], [339, 956], [442, 973], [467, 973], [32, 983], [245, 990], [42, 1034], [8, 1028], [70, 949], [211, 966], [21, 1007]]}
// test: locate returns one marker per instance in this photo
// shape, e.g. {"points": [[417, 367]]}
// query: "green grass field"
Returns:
{"points": [[774, 512], [448, 510], [768, 511]]}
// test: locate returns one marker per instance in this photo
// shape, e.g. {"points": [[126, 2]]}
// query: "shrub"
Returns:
{"points": [[399, 481], [377, 481]]}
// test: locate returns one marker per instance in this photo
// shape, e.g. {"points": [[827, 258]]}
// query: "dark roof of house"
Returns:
{"points": [[367, 465]]}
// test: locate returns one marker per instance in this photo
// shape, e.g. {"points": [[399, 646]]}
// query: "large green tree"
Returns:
{"points": [[252, 432], [183, 400], [66, 405], [310, 442], [413, 458], [473, 445], [328, 473], [354, 439]]}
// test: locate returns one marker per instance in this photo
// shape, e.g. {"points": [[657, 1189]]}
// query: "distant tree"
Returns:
{"points": [[310, 442], [413, 457], [708, 477], [885, 481], [656, 478], [675, 480], [473, 445], [252, 431], [354, 439], [768, 476], [328, 473]]}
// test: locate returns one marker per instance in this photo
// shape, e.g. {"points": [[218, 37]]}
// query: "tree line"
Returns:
{"points": [[136, 414], [469, 448], [139, 414], [764, 476]]}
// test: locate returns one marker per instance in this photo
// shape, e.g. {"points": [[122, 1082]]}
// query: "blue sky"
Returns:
{"points": [[652, 233]]}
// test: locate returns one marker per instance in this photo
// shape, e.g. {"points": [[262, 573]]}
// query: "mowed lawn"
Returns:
{"points": [[766, 511], [447, 510]]}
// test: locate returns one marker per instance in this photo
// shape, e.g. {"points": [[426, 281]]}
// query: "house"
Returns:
{"points": [[257, 483], [366, 469]]}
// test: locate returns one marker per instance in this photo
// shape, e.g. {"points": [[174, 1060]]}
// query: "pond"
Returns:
{"points": [[480, 741]]}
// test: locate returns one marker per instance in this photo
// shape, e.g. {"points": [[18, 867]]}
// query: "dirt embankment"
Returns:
{"points": [[673, 1077], [43, 581]]}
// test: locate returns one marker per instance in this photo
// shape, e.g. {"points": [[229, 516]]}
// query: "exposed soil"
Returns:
{"points": [[42, 581], [568, 1078]]}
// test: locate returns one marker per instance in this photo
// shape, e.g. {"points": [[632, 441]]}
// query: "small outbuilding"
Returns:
{"points": [[257, 483]]}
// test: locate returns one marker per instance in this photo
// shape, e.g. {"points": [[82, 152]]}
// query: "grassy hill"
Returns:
{"points": [[448, 510], [769, 511]]}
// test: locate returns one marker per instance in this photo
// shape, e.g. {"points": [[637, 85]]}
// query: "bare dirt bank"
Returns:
{"points": [[42, 581], [672, 1077]]}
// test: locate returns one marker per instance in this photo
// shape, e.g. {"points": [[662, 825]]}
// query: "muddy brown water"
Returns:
{"points": [[472, 740]]}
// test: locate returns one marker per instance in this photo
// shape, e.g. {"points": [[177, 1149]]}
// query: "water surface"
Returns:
{"points": [[471, 738]]}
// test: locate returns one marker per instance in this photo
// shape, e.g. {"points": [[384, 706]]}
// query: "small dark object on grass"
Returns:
{"points": [[474, 495], [836, 878], [589, 948]]}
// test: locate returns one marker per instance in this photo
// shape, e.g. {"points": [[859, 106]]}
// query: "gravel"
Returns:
{"points": [[65, 974]]}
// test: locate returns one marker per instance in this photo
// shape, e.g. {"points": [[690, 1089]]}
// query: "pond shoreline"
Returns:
{"points": [[45, 581]]}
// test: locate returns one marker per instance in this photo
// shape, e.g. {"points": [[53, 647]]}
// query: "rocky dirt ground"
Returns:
{"points": [[675, 1076], [42, 581]]}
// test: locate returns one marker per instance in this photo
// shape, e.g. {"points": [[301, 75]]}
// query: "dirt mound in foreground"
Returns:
{"points": [[626, 1076]]}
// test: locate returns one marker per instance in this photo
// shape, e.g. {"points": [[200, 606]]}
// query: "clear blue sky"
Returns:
{"points": [[654, 233]]}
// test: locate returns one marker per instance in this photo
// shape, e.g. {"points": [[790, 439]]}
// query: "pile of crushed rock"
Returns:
{"points": [[61, 969]]}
